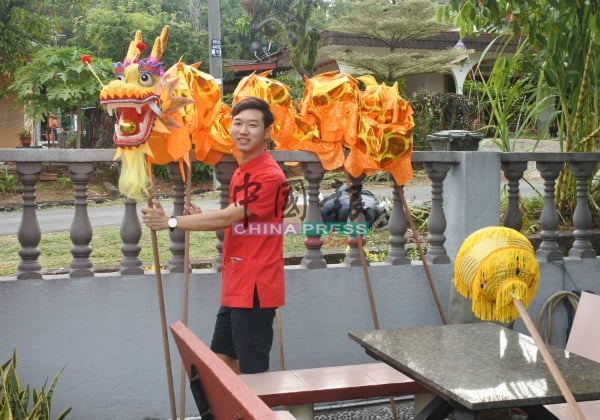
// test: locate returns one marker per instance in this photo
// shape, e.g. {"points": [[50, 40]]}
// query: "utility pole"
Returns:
{"points": [[215, 60]]}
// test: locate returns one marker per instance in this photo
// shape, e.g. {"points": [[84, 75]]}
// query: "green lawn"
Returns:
{"points": [[106, 244]]}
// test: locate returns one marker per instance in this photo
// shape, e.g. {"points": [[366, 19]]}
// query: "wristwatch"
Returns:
{"points": [[172, 223]]}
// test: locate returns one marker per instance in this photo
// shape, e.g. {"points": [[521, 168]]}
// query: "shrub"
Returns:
{"points": [[438, 111], [8, 182], [15, 400]]}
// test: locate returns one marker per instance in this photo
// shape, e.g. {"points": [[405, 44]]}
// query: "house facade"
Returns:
{"points": [[12, 121], [450, 79]]}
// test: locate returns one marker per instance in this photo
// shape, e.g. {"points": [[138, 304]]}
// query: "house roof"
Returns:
{"points": [[249, 65], [331, 40], [243, 68], [335, 41]]}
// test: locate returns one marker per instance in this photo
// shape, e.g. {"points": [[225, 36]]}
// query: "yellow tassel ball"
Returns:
{"points": [[494, 266]]}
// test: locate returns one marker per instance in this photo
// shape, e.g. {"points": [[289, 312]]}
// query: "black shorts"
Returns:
{"points": [[246, 335]]}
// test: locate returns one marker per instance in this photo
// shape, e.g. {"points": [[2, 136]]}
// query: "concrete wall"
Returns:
{"points": [[106, 332], [432, 82]]}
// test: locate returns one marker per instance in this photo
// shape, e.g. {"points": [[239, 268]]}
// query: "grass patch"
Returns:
{"points": [[55, 248]]}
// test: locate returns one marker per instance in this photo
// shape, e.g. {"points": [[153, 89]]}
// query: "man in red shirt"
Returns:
{"points": [[252, 270]]}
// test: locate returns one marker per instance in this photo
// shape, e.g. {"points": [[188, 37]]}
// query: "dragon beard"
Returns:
{"points": [[135, 179]]}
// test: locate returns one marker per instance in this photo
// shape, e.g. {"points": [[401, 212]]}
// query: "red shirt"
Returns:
{"points": [[256, 260]]}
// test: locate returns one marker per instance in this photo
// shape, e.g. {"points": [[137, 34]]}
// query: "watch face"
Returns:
{"points": [[172, 222]]}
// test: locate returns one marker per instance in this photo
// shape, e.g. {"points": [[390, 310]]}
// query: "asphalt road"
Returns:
{"points": [[60, 219]]}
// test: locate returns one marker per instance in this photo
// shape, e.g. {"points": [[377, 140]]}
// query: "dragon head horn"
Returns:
{"points": [[133, 53], [160, 43]]}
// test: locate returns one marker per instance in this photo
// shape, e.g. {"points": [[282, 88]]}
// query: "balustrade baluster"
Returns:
{"points": [[131, 233], [223, 171], [313, 257], [397, 225], [549, 249], [436, 222], [513, 171], [582, 217], [177, 246], [81, 228], [352, 258], [29, 233]]}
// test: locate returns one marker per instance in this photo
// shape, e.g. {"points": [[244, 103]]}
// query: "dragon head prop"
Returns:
{"points": [[160, 113]]}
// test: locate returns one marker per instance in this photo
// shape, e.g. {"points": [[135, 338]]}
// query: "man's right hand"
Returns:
{"points": [[192, 209]]}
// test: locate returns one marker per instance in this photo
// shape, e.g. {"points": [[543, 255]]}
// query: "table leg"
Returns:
{"points": [[302, 411], [539, 412], [502, 414], [436, 409]]}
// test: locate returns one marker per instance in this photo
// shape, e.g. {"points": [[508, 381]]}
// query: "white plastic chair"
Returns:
{"points": [[584, 340]]}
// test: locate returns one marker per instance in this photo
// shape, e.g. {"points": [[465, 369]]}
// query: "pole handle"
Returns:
{"points": [[186, 283], [163, 319], [575, 409]]}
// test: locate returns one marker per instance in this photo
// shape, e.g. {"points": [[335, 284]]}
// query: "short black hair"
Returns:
{"points": [[253, 102]]}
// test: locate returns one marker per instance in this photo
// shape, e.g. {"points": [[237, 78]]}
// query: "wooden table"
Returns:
{"points": [[481, 366]]}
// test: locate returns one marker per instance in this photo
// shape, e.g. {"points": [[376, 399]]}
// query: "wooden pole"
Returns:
{"points": [[361, 253], [163, 319], [365, 269], [363, 263], [421, 254], [186, 283], [575, 409], [279, 339]]}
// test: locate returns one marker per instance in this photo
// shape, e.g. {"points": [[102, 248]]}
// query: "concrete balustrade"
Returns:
{"points": [[469, 197]]}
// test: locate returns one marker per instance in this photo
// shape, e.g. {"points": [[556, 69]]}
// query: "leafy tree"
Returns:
{"points": [[236, 31], [23, 28], [288, 22], [107, 28], [103, 29], [392, 22], [562, 40], [56, 78], [65, 13]]}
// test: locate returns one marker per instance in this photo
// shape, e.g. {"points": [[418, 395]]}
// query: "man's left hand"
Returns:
{"points": [[155, 217]]}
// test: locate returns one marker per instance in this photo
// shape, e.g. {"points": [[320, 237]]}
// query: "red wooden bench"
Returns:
{"points": [[297, 389], [219, 393], [300, 389]]}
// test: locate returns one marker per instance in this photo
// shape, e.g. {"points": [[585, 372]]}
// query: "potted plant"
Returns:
{"points": [[25, 136]]}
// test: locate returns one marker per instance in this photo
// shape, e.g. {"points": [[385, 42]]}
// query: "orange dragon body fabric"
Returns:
{"points": [[385, 138]]}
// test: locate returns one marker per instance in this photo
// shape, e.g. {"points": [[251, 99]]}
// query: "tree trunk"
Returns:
{"points": [[100, 129]]}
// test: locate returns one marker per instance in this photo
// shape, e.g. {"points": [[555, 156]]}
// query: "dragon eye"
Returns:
{"points": [[146, 79], [120, 77]]}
